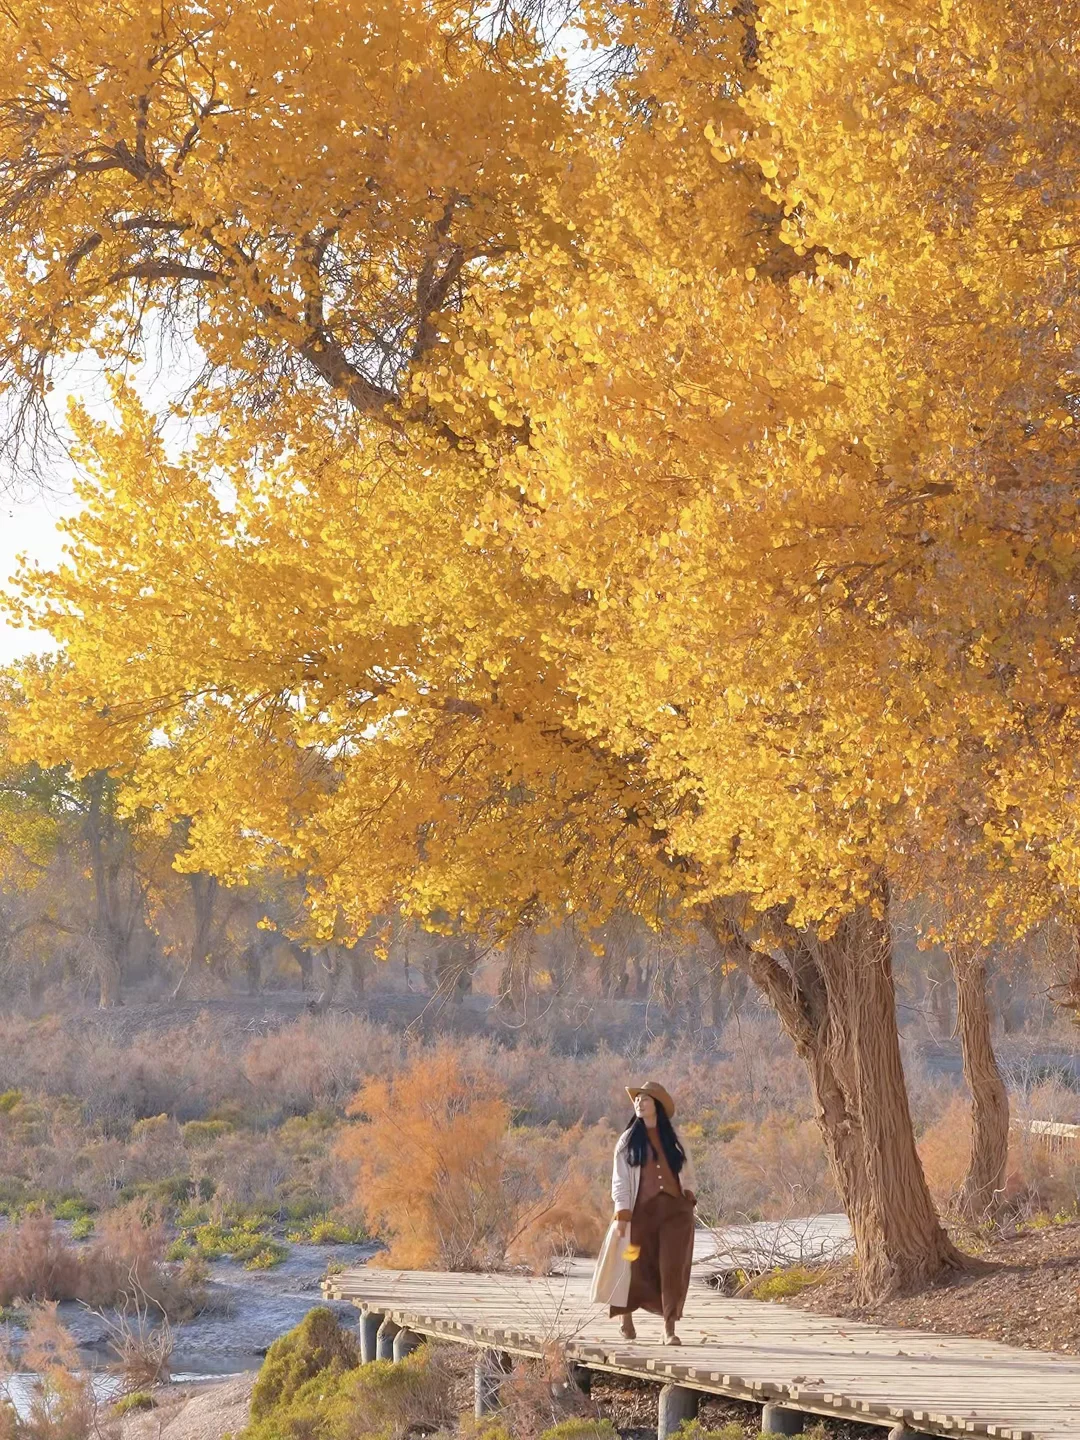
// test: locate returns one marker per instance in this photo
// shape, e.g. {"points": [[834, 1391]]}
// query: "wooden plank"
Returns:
{"points": [[948, 1384]]}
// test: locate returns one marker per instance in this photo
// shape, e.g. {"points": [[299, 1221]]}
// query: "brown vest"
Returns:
{"points": [[656, 1174]]}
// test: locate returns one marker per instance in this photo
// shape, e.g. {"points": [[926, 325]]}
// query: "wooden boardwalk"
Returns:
{"points": [[937, 1384]]}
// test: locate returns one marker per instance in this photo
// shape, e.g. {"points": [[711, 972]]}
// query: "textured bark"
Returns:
{"points": [[835, 998], [985, 1179], [109, 982]]}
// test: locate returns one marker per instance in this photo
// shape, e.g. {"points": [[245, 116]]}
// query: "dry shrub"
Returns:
{"points": [[36, 1263], [561, 1181], [122, 1265], [446, 1179], [769, 1171], [319, 1061], [1043, 1175], [539, 1394], [62, 1406], [125, 1258], [143, 1347], [945, 1152]]}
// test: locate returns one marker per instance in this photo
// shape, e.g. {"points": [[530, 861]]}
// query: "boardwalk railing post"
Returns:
{"points": [[781, 1420], [384, 1344], [405, 1342], [677, 1404], [492, 1368], [370, 1320]]}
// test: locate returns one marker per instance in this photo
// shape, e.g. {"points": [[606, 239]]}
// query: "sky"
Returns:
{"points": [[29, 513], [28, 526]]}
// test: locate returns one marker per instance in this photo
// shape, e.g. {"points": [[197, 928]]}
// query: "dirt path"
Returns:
{"points": [[1025, 1292]]}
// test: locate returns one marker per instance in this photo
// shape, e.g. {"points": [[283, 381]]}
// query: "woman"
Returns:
{"points": [[652, 1185]]}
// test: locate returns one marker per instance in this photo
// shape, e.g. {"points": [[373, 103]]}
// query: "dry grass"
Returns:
{"points": [[122, 1265], [62, 1406]]}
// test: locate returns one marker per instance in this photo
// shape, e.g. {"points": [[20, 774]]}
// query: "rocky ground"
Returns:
{"points": [[1022, 1289], [208, 1411]]}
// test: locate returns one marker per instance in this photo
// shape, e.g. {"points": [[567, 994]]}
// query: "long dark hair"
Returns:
{"points": [[637, 1147]]}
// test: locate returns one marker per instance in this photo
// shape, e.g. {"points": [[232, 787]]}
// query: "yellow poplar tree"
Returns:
{"points": [[657, 498]]}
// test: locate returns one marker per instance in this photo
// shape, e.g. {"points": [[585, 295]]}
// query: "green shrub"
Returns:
{"points": [[72, 1208], [137, 1400], [489, 1428], [8, 1101], [694, 1430], [380, 1401], [780, 1284], [192, 1215], [581, 1429], [244, 1240], [172, 1191], [199, 1134], [322, 1230], [267, 1256], [317, 1344], [82, 1228], [180, 1250], [303, 1205]]}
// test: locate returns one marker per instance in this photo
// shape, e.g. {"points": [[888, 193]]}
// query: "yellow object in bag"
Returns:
{"points": [[631, 1253]]}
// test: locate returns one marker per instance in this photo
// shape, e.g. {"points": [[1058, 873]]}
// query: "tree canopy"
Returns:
{"points": [[658, 496]]}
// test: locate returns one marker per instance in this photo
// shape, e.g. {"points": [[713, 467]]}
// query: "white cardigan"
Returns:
{"points": [[625, 1178]]}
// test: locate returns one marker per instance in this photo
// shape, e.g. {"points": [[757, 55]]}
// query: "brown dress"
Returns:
{"points": [[662, 1226]]}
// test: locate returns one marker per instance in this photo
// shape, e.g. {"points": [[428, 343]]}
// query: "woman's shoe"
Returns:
{"points": [[670, 1338], [626, 1326]]}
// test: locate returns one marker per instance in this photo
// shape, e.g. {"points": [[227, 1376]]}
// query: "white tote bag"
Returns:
{"points": [[611, 1277]]}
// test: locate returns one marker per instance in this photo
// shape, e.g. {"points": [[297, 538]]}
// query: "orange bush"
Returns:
{"points": [[429, 1149], [945, 1151], [443, 1176]]}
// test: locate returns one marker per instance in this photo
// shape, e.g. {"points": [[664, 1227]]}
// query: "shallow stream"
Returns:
{"points": [[247, 1311]]}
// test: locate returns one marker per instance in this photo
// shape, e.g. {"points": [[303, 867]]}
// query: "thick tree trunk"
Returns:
{"points": [[835, 999], [204, 891], [105, 936], [110, 992], [358, 963], [985, 1179]]}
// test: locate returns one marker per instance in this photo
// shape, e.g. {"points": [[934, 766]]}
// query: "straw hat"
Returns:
{"points": [[658, 1093]]}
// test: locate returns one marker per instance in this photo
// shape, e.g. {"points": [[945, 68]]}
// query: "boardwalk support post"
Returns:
{"points": [[677, 1404], [492, 1368], [781, 1420], [581, 1378], [370, 1320], [405, 1342], [384, 1343]]}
